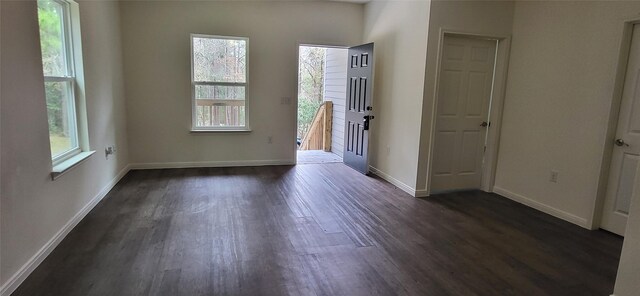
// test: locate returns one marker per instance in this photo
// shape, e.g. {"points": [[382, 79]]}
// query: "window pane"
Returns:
{"points": [[219, 60], [220, 115], [219, 92], [61, 115], [50, 17]]}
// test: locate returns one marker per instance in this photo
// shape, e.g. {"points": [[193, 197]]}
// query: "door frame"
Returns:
{"points": [[595, 220], [496, 102], [295, 97]]}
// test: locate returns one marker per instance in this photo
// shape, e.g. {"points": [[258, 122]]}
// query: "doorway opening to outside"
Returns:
{"points": [[322, 76]]}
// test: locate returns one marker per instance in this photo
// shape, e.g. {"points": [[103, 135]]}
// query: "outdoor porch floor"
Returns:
{"points": [[317, 156]]}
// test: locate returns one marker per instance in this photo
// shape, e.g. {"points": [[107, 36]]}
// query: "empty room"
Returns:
{"points": [[317, 147]]}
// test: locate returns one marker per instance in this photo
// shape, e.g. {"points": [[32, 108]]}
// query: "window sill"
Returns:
{"points": [[239, 130], [65, 166]]}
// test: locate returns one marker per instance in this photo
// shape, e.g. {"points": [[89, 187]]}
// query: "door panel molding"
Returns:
{"points": [[359, 103]]}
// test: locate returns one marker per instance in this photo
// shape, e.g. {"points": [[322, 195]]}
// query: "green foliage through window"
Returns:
{"points": [[219, 77], [59, 79], [310, 85]]}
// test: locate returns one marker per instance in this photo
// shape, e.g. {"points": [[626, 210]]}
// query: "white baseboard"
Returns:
{"points": [[206, 164], [404, 187], [12, 284], [582, 222]]}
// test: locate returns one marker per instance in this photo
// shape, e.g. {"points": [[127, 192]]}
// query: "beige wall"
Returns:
{"points": [[157, 71], [488, 18], [399, 31], [561, 78], [34, 208]]}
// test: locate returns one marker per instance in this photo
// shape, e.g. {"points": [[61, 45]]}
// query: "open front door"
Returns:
{"points": [[358, 107]]}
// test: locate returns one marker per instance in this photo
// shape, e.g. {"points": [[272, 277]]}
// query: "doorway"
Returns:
{"points": [[322, 76], [462, 116], [625, 156]]}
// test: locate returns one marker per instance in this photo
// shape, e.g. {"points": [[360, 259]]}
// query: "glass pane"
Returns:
{"points": [[219, 92], [220, 116], [52, 43], [219, 60], [61, 117]]}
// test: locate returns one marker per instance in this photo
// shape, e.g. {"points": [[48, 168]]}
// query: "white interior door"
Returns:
{"points": [[626, 153], [464, 95]]}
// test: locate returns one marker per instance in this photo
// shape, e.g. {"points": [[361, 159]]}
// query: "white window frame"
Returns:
{"points": [[75, 77], [245, 84]]}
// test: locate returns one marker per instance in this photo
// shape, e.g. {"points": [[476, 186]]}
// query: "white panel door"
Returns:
{"points": [[464, 95], [626, 153]]}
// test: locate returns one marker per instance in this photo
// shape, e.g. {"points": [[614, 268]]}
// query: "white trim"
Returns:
{"points": [[219, 130], [211, 164], [212, 83], [17, 278], [323, 46], [59, 78], [245, 84], [70, 163], [402, 186], [421, 193], [69, 77], [582, 222]]}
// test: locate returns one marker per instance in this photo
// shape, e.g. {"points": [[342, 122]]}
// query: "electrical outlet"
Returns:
{"points": [[270, 140], [388, 150], [109, 150], [553, 178]]}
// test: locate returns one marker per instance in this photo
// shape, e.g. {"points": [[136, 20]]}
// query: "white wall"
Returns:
{"points": [[157, 71], [559, 93], [627, 283], [34, 208], [399, 31], [488, 18], [335, 90]]}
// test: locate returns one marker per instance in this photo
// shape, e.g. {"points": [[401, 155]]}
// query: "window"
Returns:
{"points": [[219, 83], [59, 78]]}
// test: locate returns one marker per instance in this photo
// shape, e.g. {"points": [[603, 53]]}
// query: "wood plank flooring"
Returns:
{"points": [[317, 229]]}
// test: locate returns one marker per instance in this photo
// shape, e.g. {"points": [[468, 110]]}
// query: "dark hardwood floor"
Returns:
{"points": [[317, 230]]}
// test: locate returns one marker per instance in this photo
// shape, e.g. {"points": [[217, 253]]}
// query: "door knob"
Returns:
{"points": [[620, 143], [484, 124]]}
